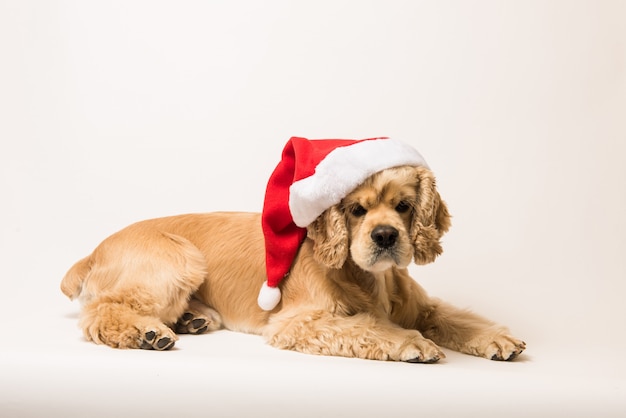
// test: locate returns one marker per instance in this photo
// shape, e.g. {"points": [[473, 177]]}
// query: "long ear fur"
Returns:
{"points": [[430, 220], [330, 238]]}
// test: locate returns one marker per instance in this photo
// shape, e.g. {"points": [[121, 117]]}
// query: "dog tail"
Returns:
{"points": [[72, 283]]}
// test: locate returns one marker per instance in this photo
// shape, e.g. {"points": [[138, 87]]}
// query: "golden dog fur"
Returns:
{"points": [[346, 295]]}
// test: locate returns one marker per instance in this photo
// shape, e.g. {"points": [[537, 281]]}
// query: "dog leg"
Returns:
{"points": [[135, 289], [469, 333], [197, 319], [362, 336]]}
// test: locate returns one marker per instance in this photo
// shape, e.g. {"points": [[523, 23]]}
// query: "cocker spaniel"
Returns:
{"points": [[348, 292]]}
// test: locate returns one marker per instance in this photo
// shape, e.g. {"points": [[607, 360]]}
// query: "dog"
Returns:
{"points": [[348, 292]]}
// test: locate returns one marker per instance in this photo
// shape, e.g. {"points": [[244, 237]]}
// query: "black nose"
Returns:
{"points": [[384, 236]]}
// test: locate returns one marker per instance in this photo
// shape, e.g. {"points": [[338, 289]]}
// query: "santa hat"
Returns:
{"points": [[312, 176]]}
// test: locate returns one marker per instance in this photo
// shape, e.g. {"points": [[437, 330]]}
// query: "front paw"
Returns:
{"points": [[419, 350], [503, 348]]}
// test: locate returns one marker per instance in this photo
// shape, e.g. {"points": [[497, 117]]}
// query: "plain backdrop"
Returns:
{"points": [[112, 112]]}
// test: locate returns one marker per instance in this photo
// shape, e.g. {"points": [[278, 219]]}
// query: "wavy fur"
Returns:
{"points": [[346, 295]]}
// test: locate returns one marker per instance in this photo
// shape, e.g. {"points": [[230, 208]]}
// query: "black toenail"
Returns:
{"points": [[163, 342], [187, 316], [150, 335], [197, 323], [203, 329]]}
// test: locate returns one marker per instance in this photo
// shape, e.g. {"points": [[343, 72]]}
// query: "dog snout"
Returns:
{"points": [[384, 236]]}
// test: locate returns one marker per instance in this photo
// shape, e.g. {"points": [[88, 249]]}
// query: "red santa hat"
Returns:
{"points": [[312, 176]]}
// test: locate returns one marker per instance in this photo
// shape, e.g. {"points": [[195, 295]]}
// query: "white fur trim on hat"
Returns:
{"points": [[268, 297], [341, 171]]}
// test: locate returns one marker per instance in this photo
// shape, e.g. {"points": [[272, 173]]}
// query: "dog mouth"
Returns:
{"points": [[383, 259]]}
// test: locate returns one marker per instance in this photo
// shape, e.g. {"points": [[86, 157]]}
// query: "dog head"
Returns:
{"points": [[396, 215]]}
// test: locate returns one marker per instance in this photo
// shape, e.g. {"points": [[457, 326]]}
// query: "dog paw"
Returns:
{"points": [[420, 350], [194, 322], [157, 339], [504, 348]]}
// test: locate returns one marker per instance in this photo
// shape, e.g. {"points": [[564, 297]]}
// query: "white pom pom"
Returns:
{"points": [[268, 297]]}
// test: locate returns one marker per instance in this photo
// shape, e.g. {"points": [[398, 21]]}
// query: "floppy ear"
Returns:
{"points": [[430, 219], [330, 238]]}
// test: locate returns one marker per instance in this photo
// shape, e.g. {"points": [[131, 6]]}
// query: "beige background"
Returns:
{"points": [[112, 112]]}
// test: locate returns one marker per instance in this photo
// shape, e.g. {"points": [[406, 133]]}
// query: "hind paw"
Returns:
{"points": [[160, 340], [197, 322]]}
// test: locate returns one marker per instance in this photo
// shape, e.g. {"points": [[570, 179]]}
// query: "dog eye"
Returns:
{"points": [[402, 207], [358, 211]]}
